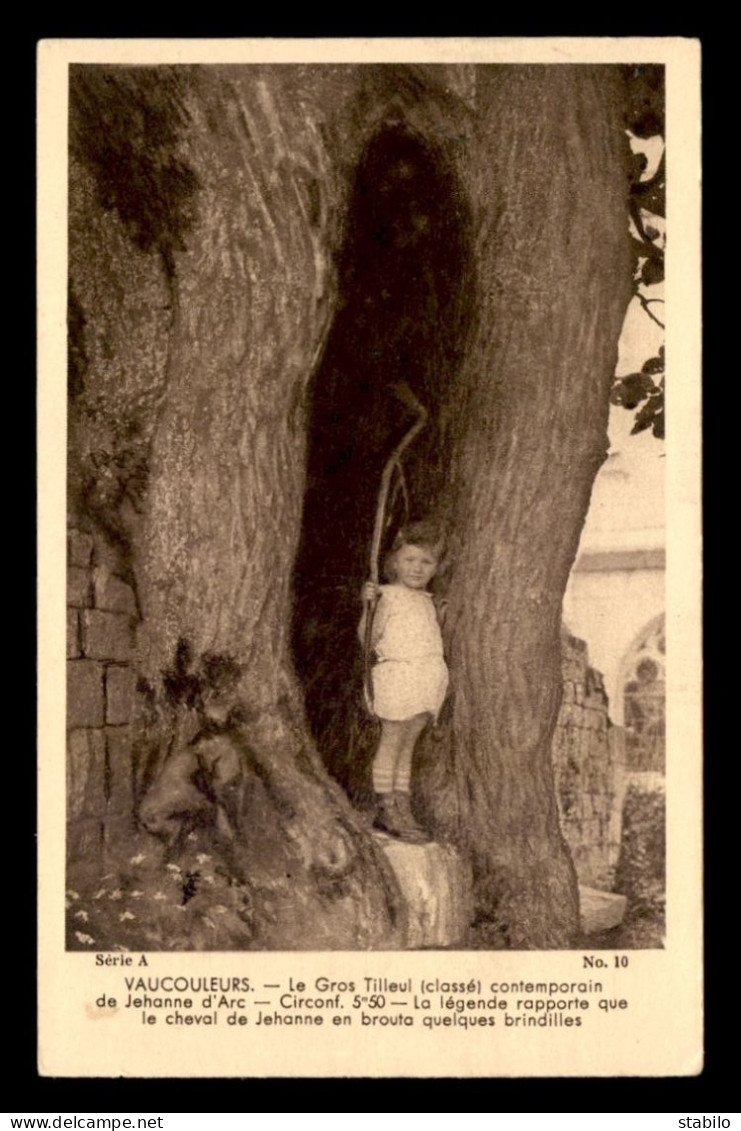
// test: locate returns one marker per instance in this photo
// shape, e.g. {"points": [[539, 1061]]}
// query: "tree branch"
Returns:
{"points": [[646, 246], [646, 303]]}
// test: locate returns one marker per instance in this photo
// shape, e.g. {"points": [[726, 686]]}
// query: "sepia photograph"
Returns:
{"points": [[343, 344], [365, 493]]}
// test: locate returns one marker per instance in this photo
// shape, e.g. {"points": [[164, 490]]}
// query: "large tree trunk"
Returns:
{"points": [[532, 160], [253, 297], [549, 187]]}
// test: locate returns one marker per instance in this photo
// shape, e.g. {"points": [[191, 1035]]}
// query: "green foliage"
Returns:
{"points": [[652, 414], [637, 388], [644, 110], [644, 118], [641, 867], [640, 874]]}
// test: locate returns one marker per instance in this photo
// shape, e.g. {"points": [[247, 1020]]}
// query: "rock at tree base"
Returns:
{"points": [[437, 888], [600, 910]]}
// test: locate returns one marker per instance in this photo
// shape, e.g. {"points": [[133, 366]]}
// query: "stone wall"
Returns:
{"points": [[101, 616], [588, 762]]}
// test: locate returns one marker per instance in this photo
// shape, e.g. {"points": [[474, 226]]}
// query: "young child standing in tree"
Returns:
{"points": [[409, 677]]}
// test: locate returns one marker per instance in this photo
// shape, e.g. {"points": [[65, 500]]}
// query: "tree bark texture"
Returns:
{"points": [[254, 294], [119, 322], [548, 182], [242, 291]]}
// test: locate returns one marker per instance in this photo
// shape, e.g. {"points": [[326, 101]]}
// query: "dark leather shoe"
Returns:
{"points": [[406, 823], [385, 818]]}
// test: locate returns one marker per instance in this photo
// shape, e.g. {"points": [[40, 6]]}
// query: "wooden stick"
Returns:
{"points": [[405, 394]]}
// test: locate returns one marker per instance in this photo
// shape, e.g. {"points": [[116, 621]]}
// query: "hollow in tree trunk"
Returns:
{"points": [[514, 304]]}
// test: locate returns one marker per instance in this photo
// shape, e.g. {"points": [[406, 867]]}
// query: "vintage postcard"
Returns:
{"points": [[369, 591]]}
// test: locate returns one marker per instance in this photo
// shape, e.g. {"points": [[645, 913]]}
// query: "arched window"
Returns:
{"points": [[644, 699]]}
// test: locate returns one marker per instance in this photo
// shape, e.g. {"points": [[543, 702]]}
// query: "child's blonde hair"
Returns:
{"points": [[426, 534]]}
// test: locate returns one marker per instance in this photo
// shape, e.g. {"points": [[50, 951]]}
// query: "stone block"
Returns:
{"points": [[580, 856], [594, 690], [603, 821], [601, 807], [73, 634], [106, 636], [567, 740], [86, 774], [107, 554], [585, 747], [436, 887], [112, 593], [578, 647], [616, 742], [574, 748], [596, 701], [597, 760], [79, 548], [604, 878], [120, 774], [591, 718], [600, 910], [85, 700], [569, 712], [79, 589], [120, 689], [589, 804], [591, 866]]}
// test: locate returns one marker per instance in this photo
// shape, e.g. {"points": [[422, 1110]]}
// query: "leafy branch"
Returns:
{"points": [[646, 386], [644, 118], [646, 304]]}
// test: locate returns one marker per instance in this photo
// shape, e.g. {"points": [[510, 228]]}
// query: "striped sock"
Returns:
{"points": [[403, 775], [383, 776]]}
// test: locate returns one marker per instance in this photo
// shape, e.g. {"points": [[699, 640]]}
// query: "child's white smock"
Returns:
{"points": [[410, 675]]}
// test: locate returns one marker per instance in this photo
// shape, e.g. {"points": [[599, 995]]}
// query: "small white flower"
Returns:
{"points": [[87, 939], [191, 836], [138, 859], [82, 915], [202, 857], [136, 894], [209, 879], [100, 893], [117, 894], [72, 894], [125, 915], [220, 909], [173, 868], [159, 895], [209, 922], [118, 946]]}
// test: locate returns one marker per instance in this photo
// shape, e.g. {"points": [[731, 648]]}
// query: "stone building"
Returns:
{"points": [[615, 599]]}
